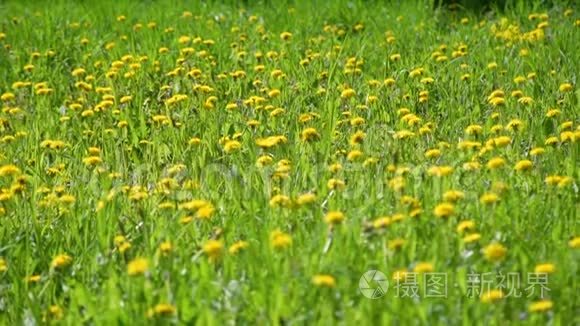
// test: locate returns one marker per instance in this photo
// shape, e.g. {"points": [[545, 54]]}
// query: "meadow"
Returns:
{"points": [[284, 163]]}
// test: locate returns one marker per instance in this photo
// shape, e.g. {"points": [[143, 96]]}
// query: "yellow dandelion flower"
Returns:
{"points": [[536, 151], [309, 134], [232, 146], [162, 309], [137, 266], [492, 296], [526, 100], [354, 155], [9, 170], [496, 163], [440, 171], [92, 160], [54, 313], [444, 210], [6, 97], [523, 165], [205, 212], [213, 249], [489, 198], [348, 93], [541, 306], [470, 238], [553, 113], [381, 222], [61, 261], [423, 267], [280, 240], [495, 252], [433, 153], [324, 280], [334, 217], [238, 247], [453, 195], [467, 225], [566, 87], [546, 268], [396, 244], [286, 36], [335, 184], [166, 247], [306, 199], [280, 200], [574, 243]]}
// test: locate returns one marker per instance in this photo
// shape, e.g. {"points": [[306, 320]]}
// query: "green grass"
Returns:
{"points": [[126, 201]]}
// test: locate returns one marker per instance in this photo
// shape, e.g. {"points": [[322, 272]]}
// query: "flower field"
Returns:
{"points": [[333, 162]]}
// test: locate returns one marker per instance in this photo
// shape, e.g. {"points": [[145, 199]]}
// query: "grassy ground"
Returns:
{"points": [[165, 162]]}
